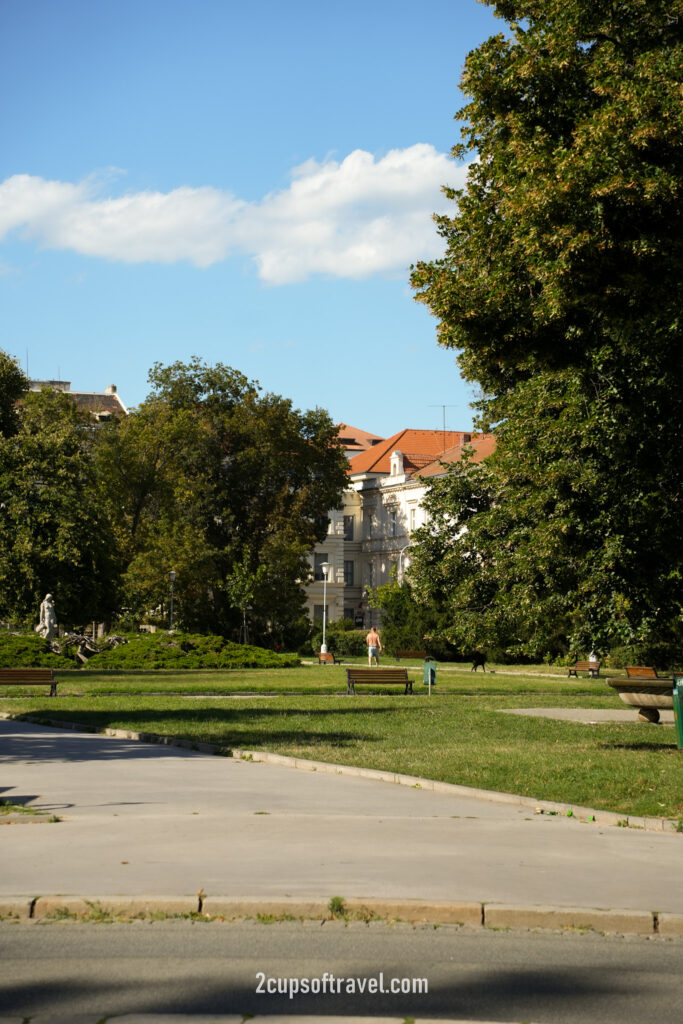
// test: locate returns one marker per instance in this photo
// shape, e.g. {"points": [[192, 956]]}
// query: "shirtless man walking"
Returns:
{"points": [[374, 646]]}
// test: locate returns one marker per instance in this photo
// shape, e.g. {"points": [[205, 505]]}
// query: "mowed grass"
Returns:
{"points": [[460, 734], [309, 679]]}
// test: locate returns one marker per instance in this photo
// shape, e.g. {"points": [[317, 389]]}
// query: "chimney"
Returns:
{"points": [[110, 389]]}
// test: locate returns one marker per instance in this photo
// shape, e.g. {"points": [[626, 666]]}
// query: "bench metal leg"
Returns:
{"points": [[53, 690]]}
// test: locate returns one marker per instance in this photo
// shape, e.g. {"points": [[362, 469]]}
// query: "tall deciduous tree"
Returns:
{"points": [[562, 285], [54, 535], [226, 486], [13, 384]]}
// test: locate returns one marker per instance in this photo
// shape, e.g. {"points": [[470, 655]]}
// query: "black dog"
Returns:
{"points": [[478, 660]]}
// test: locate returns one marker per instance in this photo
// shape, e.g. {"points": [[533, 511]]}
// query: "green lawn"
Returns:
{"points": [[309, 679], [457, 735]]}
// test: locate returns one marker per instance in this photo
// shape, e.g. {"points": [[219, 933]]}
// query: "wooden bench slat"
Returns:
{"points": [[641, 672], [591, 667], [375, 676], [29, 677], [328, 659]]}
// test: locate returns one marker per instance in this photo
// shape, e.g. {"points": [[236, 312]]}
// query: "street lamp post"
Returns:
{"points": [[171, 577], [325, 566]]}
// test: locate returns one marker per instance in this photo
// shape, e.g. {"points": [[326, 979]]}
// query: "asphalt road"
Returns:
{"points": [[70, 971]]}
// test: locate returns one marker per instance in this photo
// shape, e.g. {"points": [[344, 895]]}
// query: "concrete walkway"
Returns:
{"points": [[153, 826]]}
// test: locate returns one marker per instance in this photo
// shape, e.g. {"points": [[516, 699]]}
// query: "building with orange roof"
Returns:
{"points": [[382, 507], [481, 445], [354, 441]]}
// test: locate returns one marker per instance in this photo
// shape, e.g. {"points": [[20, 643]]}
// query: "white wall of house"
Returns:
{"points": [[366, 537]]}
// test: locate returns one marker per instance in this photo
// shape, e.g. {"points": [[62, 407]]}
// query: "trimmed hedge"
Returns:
{"points": [[144, 651], [187, 650], [29, 650]]}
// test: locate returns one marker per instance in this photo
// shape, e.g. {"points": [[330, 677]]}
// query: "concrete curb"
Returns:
{"points": [[582, 814], [472, 914], [414, 911]]}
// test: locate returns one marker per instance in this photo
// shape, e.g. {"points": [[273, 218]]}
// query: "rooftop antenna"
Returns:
{"points": [[443, 409]]}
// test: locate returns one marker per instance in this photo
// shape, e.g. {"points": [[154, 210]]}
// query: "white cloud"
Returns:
{"points": [[353, 218]]}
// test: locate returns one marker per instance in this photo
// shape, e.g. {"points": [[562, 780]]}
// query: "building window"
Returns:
{"points": [[349, 612], [348, 527], [392, 522], [412, 518], [318, 612], [348, 572], [367, 525], [318, 568]]}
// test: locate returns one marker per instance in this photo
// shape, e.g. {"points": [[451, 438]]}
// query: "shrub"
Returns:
{"points": [[28, 650], [186, 650], [659, 656], [142, 651], [341, 638]]}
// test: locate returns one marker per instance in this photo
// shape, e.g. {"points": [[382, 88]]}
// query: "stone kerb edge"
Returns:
{"points": [[415, 782], [415, 911]]}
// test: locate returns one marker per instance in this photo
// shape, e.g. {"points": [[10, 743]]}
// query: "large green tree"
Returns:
{"points": [[13, 384], [226, 486], [54, 535], [561, 287]]}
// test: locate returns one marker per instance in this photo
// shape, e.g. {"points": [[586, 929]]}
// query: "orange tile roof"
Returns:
{"points": [[419, 448], [482, 445], [354, 440]]}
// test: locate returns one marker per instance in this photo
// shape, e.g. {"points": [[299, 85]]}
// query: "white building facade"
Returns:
{"points": [[382, 508]]}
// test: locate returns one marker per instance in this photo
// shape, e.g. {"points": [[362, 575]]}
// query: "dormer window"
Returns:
{"points": [[397, 463]]}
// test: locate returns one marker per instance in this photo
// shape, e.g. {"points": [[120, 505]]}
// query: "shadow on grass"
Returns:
{"points": [[226, 727], [639, 746]]}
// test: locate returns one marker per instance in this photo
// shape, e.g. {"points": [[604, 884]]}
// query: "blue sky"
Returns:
{"points": [[244, 182]]}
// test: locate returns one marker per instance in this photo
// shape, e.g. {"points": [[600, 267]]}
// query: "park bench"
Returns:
{"points": [[410, 654], [377, 676], [643, 672], [29, 677], [328, 658], [591, 667]]}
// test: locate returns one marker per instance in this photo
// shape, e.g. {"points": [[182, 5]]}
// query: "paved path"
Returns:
{"points": [[142, 820]]}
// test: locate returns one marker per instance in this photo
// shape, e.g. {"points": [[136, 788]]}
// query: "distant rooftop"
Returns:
{"points": [[419, 448], [353, 440], [482, 446], [103, 405]]}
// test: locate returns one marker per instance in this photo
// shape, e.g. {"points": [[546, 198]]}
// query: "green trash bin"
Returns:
{"points": [[678, 709], [429, 673]]}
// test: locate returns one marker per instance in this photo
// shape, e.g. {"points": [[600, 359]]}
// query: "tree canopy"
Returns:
{"points": [[13, 384], [226, 486], [210, 478], [54, 533], [561, 287]]}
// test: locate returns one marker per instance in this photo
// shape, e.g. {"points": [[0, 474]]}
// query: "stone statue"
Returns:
{"points": [[47, 627]]}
